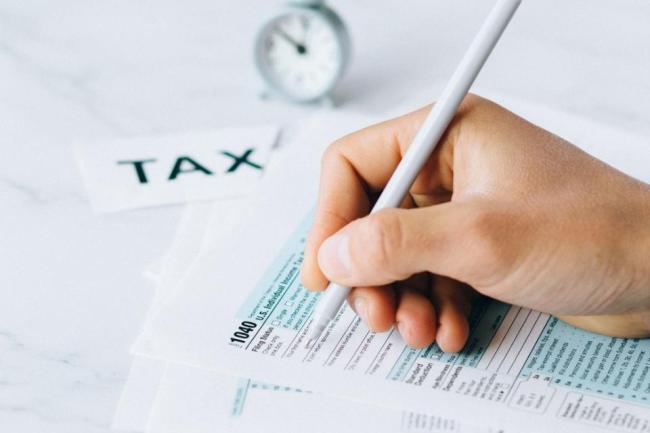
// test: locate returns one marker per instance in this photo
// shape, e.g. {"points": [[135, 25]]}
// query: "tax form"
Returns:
{"points": [[522, 359], [520, 369], [162, 397]]}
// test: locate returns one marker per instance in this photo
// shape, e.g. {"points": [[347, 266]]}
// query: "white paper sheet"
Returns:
{"points": [[139, 392], [199, 401], [182, 330], [138, 395], [153, 171]]}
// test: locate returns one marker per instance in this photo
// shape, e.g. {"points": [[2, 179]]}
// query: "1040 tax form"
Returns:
{"points": [[521, 369]]}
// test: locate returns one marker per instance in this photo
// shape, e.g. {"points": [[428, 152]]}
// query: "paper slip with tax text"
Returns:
{"points": [[158, 170], [520, 369]]}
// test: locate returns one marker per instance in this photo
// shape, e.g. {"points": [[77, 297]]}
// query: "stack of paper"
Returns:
{"points": [[223, 348]]}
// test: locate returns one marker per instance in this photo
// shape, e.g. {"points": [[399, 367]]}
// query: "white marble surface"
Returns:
{"points": [[72, 295]]}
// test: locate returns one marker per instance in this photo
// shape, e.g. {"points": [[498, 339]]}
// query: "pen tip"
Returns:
{"points": [[315, 331]]}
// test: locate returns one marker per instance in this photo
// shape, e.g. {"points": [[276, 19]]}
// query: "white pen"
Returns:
{"points": [[424, 143]]}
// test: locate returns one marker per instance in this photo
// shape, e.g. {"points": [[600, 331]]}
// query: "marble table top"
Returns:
{"points": [[72, 293]]}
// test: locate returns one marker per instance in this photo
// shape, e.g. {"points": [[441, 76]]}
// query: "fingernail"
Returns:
{"points": [[334, 257], [361, 309]]}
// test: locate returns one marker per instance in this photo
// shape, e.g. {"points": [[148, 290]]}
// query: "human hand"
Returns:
{"points": [[503, 207]]}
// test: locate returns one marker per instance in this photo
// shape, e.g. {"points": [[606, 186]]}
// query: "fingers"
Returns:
{"points": [[416, 318], [375, 305], [352, 168], [336, 209], [453, 305], [421, 319], [441, 318]]}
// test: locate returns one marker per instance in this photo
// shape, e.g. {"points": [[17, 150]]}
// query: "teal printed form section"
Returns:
{"points": [[280, 300], [278, 388], [245, 386], [484, 320], [241, 391], [403, 364], [613, 367]]}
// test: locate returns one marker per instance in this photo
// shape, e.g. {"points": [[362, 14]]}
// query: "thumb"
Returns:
{"points": [[391, 245]]}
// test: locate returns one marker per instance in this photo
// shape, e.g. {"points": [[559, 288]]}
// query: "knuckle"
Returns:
{"points": [[329, 155], [470, 103], [332, 153]]}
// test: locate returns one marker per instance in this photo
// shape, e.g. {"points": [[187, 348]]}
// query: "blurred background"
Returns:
{"points": [[72, 295]]}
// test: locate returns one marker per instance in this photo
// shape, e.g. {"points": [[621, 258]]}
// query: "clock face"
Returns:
{"points": [[301, 54]]}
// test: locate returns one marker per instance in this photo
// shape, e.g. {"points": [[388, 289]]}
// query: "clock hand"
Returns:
{"points": [[305, 27], [300, 48]]}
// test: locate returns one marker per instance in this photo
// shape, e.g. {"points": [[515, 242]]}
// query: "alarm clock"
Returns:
{"points": [[302, 52]]}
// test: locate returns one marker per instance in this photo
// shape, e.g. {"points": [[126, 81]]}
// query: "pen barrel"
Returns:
{"points": [[336, 295], [427, 138], [445, 109]]}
